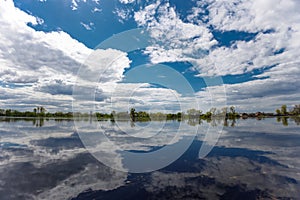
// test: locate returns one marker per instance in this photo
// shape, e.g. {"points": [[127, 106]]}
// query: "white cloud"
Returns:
{"points": [[40, 21], [146, 16], [123, 14], [96, 1], [105, 66], [102, 70], [45, 65], [74, 5], [96, 10], [45, 61], [276, 44], [127, 1], [189, 41], [279, 85], [56, 86], [32, 57], [174, 40], [253, 16], [197, 11], [261, 95], [89, 26]]}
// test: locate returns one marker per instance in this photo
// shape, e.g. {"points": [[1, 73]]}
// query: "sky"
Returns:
{"points": [[155, 55]]}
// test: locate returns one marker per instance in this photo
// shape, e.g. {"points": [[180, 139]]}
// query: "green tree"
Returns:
{"points": [[194, 113], [142, 115], [285, 121], [212, 111], [296, 110], [278, 112], [284, 109], [232, 110], [2, 112], [42, 109], [113, 114], [132, 114], [224, 110], [179, 116], [8, 112], [232, 114]]}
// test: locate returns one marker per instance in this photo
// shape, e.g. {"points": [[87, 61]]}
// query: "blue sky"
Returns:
{"points": [[250, 49]]}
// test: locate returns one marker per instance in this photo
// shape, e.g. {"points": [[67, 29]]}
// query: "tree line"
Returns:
{"points": [[39, 111], [283, 111], [133, 115]]}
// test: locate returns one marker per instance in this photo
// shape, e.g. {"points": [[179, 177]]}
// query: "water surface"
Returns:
{"points": [[253, 159]]}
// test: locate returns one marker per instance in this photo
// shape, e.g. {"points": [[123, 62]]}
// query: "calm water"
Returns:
{"points": [[253, 159]]}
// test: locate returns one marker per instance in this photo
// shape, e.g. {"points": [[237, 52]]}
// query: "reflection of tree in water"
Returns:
{"points": [[193, 121], [39, 122], [296, 120], [213, 122], [278, 119], [233, 122], [226, 122], [132, 124], [285, 121]]}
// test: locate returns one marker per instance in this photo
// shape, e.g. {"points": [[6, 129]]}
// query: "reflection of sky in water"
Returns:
{"points": [[254, 159]]}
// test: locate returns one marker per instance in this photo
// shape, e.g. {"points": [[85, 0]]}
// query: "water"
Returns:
{"points": [[252, 159]]}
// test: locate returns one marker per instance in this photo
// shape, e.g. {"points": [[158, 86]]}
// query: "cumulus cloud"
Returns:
{"points": [[190, 38], [260, 95], [174, 40], [276, 44], [74, 5], [123, 14], [43, 64], [46, 64], [253, 16], [56, 87]]}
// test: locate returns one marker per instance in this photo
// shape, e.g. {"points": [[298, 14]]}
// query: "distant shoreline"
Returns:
{"points": [[133, 115], [214, 121], [106, 119]]}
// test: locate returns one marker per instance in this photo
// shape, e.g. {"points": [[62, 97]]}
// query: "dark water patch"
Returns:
{"points": [[263, 138], [236, 170], [7, 145], [26, 178], [239, 193], [189, 161], [60, 143], [196, 187], [130, 192], [252, 155]]}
